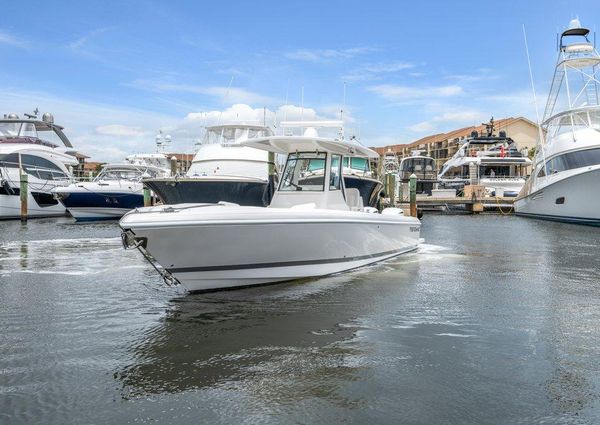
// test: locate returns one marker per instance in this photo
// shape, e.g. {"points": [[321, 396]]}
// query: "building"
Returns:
{"points": [[184, 161], [443, 146]]}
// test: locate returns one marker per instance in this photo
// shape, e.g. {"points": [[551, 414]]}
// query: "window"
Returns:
{"points": [[42, 168], [304, 171], [359, 164], [572, 160], [10, 160], [335, 181]]}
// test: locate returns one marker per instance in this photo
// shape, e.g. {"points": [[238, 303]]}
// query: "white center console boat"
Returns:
{"points": [[313, 226]]}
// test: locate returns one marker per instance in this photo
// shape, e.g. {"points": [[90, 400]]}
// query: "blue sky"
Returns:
{"points": [[113, 73]]}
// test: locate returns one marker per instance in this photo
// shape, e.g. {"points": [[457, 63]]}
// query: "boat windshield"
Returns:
{"points": [[17, 129], [129, 174], [304, 171], [572, 122]]}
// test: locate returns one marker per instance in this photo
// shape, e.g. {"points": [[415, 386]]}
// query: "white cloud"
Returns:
{"points": [[82, 119], [120, 130], [12, 40], [80, 42], [222, 93], [373, 71], [319, 55], [405, 93], [422, 127]]}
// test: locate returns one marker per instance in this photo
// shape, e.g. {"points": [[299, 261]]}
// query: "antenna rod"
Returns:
{"points": [[226, 96], [537, 114], [302, 104]]}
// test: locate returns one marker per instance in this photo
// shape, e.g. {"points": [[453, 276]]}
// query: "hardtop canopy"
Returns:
{"points": [[291, 144]]}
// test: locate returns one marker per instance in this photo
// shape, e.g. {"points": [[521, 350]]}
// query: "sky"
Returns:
{"points": [[114, 73]]}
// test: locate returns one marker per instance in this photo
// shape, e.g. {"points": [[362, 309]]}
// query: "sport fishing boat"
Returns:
{"points": [[313, 227], [117, 189], [41, 150], [488, 160], [422, 166], [567, 160], [222, 170]]}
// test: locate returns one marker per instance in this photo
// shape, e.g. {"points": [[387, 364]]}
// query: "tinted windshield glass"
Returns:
{"points": [[119, 174], [304, 171], [359, 164]]}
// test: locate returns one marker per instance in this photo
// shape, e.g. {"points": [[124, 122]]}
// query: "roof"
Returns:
{"points": [[499, 125], [181, 156], [42, 126], [291, 144]]}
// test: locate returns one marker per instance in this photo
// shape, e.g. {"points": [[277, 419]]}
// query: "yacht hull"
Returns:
{"points": [[88, 205], [568, 200], [10, 207], [197, 190], [270, 246]]}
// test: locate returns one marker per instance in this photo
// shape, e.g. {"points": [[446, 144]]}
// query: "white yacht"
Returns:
{"points": [[117, 189], [488, 160], [422, 166], [43, 151], [312, 227], [222, 170], [567, 162]]}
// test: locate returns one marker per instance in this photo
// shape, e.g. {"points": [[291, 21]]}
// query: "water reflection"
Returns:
{"points": [[286, 343]]}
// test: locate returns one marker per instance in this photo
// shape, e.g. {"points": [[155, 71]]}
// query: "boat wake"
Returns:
{"points": [[76, 257]]}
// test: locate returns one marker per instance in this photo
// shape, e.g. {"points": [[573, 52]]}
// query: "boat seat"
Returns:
{"points": [[428, 168], [353, 199], [417, 168]]}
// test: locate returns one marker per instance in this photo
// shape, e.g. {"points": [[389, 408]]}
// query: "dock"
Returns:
{"points": [[474, 201]]}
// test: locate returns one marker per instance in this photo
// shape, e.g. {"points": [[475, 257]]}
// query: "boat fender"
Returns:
{"points": [[370, 210], [419, 213]]}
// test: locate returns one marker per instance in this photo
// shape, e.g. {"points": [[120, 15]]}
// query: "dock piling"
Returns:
{"points": [[392, 189], [173, 166], [412, 185], [147, 197], [23, 195], [23, 187]]}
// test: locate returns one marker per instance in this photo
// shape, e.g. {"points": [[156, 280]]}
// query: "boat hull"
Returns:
{"points": [[197, 190], [578, 205], [215, 254], [88, 205], [10, 207]]}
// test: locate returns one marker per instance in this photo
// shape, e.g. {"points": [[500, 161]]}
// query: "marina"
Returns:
{"points": [[221, 223]]}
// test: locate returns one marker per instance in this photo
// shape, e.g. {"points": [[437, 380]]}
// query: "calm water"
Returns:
{"points": [[495, 320]]}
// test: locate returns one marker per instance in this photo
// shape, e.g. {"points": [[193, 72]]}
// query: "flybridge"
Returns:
{"points": [[14, 128]]}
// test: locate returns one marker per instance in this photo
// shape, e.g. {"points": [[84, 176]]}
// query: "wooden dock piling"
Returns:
{"points": [[412, 185], [147, 197], [23, 187], [173, 166]]}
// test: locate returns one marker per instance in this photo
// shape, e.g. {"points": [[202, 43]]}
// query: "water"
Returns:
{"points": [[494, 320]]}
